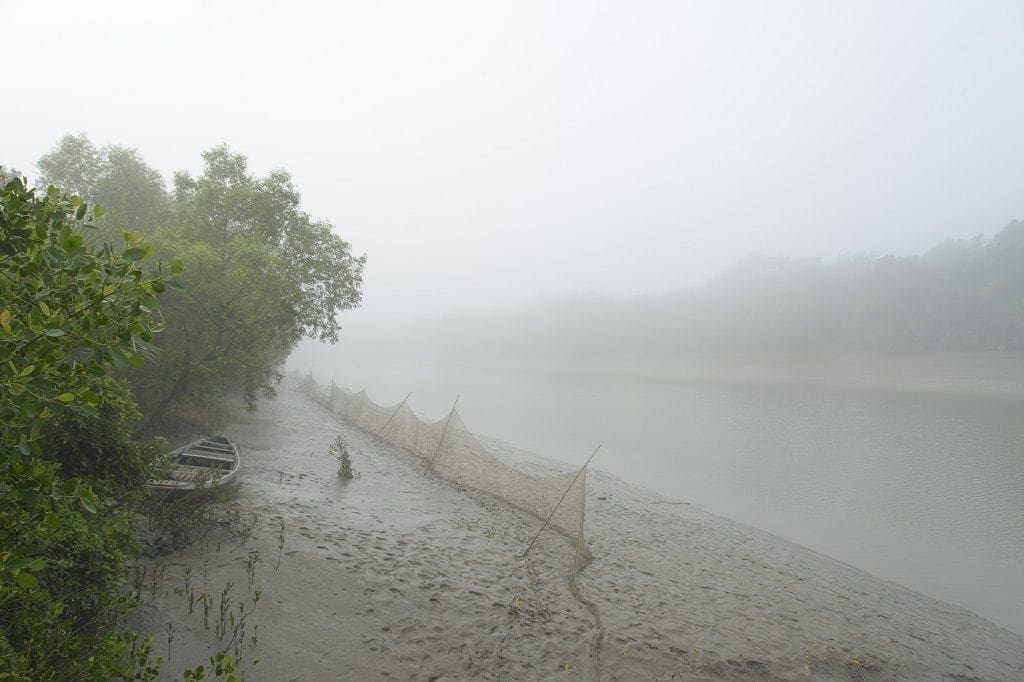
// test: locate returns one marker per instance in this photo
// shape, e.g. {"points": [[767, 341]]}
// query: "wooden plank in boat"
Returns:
{"points": [[218, 457]]}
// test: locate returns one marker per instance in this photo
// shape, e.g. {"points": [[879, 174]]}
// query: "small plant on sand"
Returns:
{"points": [[170, 638], [280, 546], [339, 450], [189, 594], [222, 667], [222, 616], [250, 566], [156, 580], [242, 527], [207, 601]]}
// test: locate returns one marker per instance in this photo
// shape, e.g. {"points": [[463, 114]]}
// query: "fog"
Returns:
{"points": [[959, 296], [486, 155], [768, 255]]}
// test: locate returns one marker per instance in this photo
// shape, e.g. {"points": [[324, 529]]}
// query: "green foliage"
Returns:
{"points": [[132, 194], [222, 667], [111, 656], [69, 313], [259, 274], [98, 446], [339, 451], [59, 622], [7, 174], [224, 334], [227, 202], [72, 166]]}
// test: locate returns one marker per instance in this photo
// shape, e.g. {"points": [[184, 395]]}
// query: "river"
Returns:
{"points": [[910, 468]]}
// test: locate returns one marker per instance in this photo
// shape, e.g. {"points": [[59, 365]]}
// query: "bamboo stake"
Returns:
{"points": [[393, 414], [552, 514], [579, 540], [443, 432]]}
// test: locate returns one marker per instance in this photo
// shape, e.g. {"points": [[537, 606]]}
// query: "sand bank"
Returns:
{"points": [[397, 575]]}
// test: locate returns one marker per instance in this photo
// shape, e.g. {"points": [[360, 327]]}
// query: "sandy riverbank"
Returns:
{"points": [[398, 576]]}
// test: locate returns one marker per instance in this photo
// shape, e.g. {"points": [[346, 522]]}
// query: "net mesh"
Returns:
{"points": [[450, 451]]}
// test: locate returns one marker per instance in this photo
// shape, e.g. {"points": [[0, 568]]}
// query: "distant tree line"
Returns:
{"points": [[960, 295]]}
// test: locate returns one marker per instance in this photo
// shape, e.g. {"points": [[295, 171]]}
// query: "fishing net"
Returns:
{"points": [[450, 451]]}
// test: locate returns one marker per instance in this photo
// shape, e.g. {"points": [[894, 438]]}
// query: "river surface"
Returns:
{"points": [[911, 469]]}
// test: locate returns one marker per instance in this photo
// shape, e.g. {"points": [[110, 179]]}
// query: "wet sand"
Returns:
{"points": [[397, 575]]}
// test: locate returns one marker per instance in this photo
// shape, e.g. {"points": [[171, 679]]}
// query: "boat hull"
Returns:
{"points": [[202, 464]]}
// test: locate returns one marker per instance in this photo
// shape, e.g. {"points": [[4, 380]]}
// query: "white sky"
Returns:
{"points": [[486, 153]]}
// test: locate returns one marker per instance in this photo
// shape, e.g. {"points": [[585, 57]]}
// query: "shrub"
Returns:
{"points": [[339, 450], [174, 521], [97, 445]]}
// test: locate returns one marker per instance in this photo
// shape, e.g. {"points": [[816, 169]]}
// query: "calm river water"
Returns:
{"points": [[910, 469]]}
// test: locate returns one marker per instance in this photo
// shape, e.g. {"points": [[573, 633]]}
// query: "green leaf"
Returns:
{"points": [[66, 397], [26, 580], [134, 253], [80, 213], [177, 267], [27, 371], [53, 333]]}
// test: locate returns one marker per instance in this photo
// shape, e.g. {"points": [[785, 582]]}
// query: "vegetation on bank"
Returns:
{"points": [[962, 295], [105, 336], [260, 273], [70, 313], [339, 451]]}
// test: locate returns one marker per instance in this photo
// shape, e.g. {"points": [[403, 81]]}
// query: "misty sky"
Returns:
{"points": [[487, 153]]}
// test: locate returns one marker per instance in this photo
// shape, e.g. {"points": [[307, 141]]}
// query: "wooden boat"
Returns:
{"points": [[206, 463]]}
